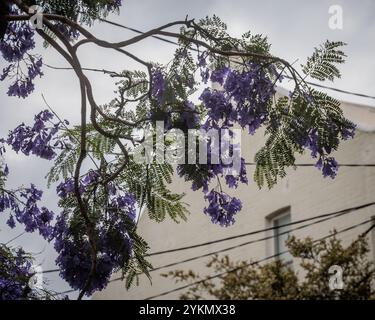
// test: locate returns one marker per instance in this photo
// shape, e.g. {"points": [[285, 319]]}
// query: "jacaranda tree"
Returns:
{"points": [[94, 233]]}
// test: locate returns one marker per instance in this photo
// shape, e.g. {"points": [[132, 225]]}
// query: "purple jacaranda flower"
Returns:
{"points": [[329, 167], [222, 208], [219, 75], [159, 85], [190, 116], [36, 139]]}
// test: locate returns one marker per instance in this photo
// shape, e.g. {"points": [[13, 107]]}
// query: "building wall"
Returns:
{"points": [[304, 191]]}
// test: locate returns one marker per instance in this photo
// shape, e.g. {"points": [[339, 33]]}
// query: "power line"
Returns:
{"points": [[353, 165], [15, 238], [233, 270], [348, 210], [326, 218], [65, 292], [51, 271], [240, 63], [336, 89], [339, 213], [252, 263], [244, 243], [369, 229]]}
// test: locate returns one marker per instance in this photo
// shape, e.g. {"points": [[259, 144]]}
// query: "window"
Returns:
{"points": [[281, 235]]}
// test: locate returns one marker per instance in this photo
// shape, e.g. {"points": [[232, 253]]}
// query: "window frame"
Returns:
{"points": [[274, 245]]}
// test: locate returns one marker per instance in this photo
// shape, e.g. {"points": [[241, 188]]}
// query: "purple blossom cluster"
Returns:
{"points": [[327, 164], [113, 241], [18, 40], [67, 31], [74, 258], [202, 64], [113, 246], [23, 205], [222, 208], [66, 188], [36, 139], [190, 116], [114, 5], [118, 199], [243, 99], [16, 270], [212, 171], [223, 214], [15, 48], [158, 85], [126, 203], [23, 67]]}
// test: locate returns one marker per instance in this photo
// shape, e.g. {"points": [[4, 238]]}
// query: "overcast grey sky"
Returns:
{"points": [[293, 28]]}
